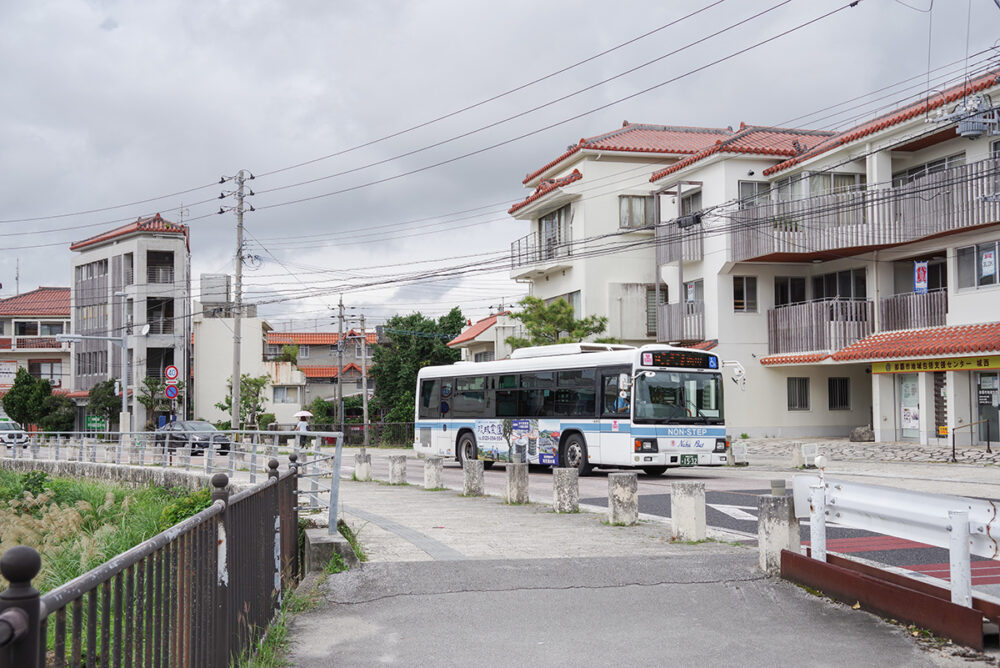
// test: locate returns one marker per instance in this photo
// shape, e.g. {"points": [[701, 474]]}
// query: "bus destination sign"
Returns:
{"points": [[680, 358]]}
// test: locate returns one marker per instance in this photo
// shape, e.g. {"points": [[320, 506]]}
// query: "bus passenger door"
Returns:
{"points": [[616, 424]]}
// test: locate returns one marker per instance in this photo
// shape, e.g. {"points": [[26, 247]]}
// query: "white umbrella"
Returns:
{"points": [[303, 414]]}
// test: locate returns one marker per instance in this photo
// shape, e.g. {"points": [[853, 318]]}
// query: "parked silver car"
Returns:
{"points": [[198, 433], [11, 434]]}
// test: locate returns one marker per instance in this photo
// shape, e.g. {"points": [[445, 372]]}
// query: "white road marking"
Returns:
{"points": [[736, 512]]}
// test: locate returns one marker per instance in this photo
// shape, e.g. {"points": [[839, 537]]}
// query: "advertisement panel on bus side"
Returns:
{"points": [[530, 440]]}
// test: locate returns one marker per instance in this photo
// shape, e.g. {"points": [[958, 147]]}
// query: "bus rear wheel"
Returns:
{"points": [[574, 455], [654, 471], [467, 448]]}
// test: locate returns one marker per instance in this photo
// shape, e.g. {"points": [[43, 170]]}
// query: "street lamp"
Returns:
{"points": [[122, 342]]}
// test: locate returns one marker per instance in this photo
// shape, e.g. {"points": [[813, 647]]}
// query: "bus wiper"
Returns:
{"points": [[698, 413]]}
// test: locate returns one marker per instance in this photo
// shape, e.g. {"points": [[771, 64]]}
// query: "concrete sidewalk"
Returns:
{"points": [[459, 581]]}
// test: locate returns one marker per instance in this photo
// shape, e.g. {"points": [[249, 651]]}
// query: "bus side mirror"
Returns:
{"points": [[624, 381]]}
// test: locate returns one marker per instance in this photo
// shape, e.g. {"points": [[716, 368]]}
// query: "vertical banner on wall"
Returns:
{"points": [[920, 277]]}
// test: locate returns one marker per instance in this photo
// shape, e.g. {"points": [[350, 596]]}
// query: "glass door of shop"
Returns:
{"points": [[988, 399], [909, 406]]}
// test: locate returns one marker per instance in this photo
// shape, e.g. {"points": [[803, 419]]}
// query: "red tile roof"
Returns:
{"points": [[314, 338], [933, 341], [41, 302], [153, 224], [794, 358], [322, 371], [642, 138], [474, 330], [756, 140], [912, 110], [545, 187], [704, 345]]}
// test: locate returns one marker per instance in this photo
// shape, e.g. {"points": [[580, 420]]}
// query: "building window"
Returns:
{"points": [[995, 149], [849, 284], [694, 291], [487, 356], [933, 167], [651, 308], [827, 183], [753, 193], [272, 350], [50, 328], [635, 211], [787, 189], [50, 371], [573, 298], [839, 394], [333, 349], [789, 290], [798, 394], [691, 203], [303, 352], [745, 294], [977, 265], [286, 394], [22, 328], [554, 233]]}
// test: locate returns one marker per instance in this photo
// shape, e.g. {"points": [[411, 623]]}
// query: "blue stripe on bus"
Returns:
{"points": [[624, 426]]}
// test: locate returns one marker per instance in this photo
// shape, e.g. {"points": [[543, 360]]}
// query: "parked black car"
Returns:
{"points": [[198, 433]]}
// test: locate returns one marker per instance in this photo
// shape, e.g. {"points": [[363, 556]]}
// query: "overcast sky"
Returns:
{"points": [[109, 103]]}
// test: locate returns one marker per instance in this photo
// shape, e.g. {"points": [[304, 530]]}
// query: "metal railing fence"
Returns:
{"points": [[200, 593]]}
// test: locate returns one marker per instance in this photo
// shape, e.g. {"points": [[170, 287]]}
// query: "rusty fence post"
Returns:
{"points": [[222, 641], [20, 625]]}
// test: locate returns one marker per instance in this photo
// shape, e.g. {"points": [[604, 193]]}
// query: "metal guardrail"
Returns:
{"points": [[199, 594], [961, 525]]}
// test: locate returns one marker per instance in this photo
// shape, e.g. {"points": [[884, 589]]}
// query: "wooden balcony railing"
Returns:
{"points": [[827, 325], [673, 243], [680, 322], [952, 199], [913, 311]]}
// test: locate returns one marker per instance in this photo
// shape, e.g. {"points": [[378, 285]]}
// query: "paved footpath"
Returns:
{"points": [[462, 581]]}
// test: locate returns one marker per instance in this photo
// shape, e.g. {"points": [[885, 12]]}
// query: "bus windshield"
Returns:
{"points": [[678, 397]]}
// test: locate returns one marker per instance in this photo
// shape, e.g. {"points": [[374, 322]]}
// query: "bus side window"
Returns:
{"points": [[429, 399], [609, 392]]}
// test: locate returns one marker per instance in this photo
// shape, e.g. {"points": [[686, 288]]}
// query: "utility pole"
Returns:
{"points": [[340, 362], [17, 278], [241, 178], [237, 302], [364, 376]]}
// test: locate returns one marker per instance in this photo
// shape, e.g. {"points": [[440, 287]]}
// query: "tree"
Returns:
{"points": [[289, 353], [553, 323], [103, 402], [23, 401], [59, 413], [415, 341], [324, 412], [251, 397]]}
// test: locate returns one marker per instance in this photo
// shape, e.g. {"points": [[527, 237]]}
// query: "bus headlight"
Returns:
{"points": [[721, 445], [646, 445]]}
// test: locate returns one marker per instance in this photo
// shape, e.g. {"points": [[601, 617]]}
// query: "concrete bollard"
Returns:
{"points": [[623, 498], [565, 490], [397, 469], [433, 473], [363, 466], [777, 530], [687, 510], [517, 482], [473, 484]]}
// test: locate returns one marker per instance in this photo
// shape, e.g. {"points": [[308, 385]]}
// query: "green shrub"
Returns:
{"points": [[185, 507], [34, 482], [265, 419]]}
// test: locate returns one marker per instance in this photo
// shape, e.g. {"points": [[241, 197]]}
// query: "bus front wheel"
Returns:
{"points": [[574, 455], [467, 448]]}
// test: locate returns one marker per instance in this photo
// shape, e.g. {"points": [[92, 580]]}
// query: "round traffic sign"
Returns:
{"points": [[171, 372], [171, 391]]}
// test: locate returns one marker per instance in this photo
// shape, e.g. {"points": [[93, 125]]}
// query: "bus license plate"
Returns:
{"points": [[689, 460]]}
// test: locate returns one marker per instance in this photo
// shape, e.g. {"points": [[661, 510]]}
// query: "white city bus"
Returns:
{"points": [[577, 405]]}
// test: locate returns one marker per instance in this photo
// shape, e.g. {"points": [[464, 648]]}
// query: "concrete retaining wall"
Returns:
{"points": [[119, 474]]}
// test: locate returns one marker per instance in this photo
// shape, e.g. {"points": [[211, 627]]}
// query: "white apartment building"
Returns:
{"points": [[29, 323], [855, 279], [853, 274], [592, 199], [486, 340], [129, 277]]}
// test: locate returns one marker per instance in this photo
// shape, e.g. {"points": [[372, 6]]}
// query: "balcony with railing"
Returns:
{"points": [[674, 243], [684, 321], [950, 200], [160, 274], [826, 325], [537, 254], [29, 343], [913, 311]]}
